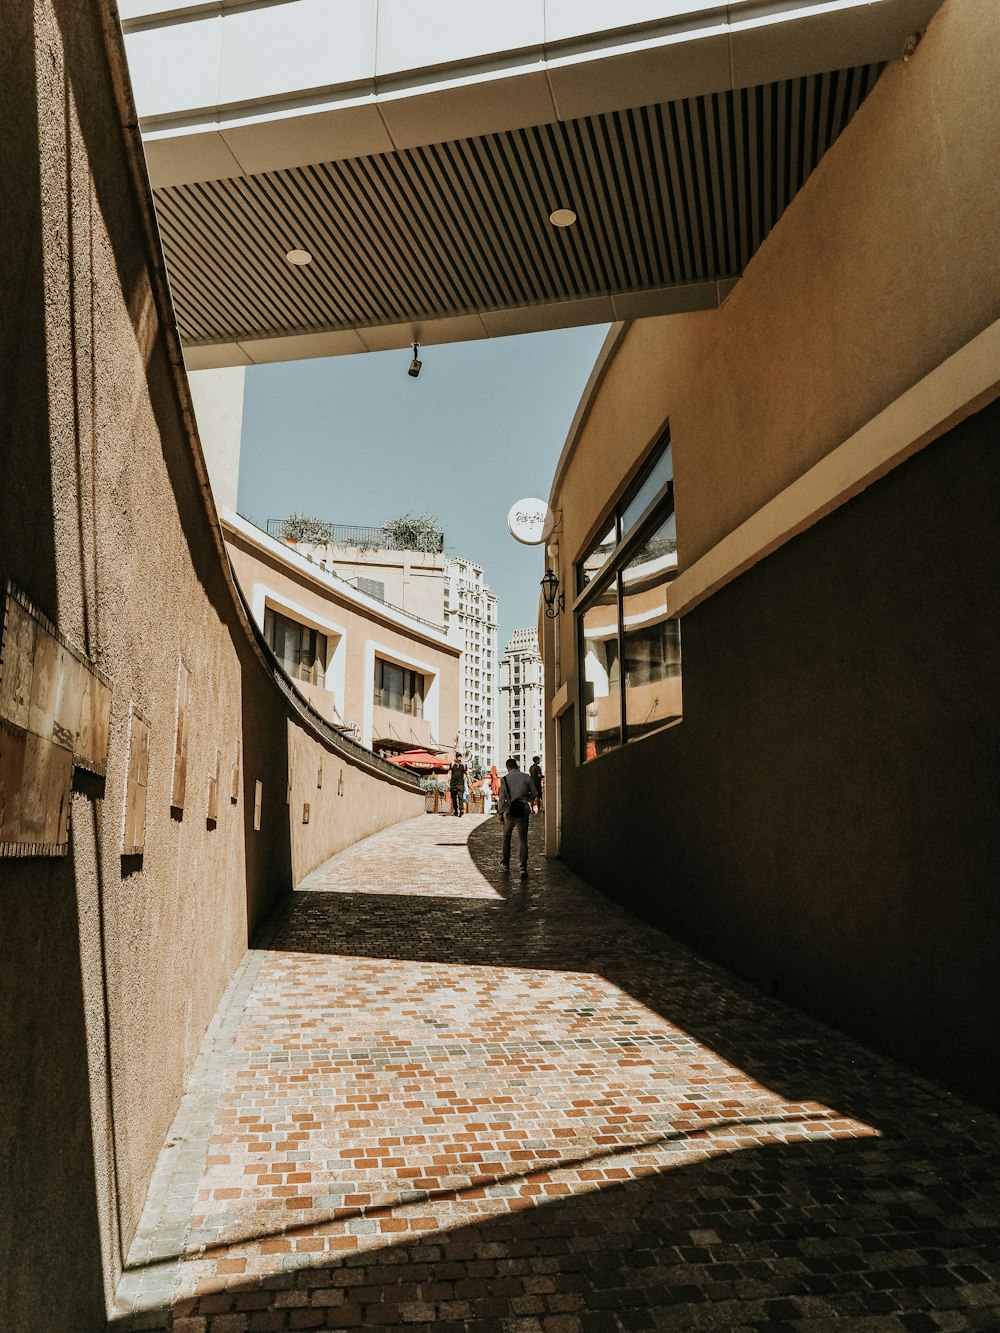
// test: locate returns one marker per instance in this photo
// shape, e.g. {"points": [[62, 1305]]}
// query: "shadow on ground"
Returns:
{"points": [[805, 1236], [899, 1231]]}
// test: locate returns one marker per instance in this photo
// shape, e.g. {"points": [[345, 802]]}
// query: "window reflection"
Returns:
{"points": [[651, 642], [630, 651], [597, 556], [601, 674], [661, 472]]}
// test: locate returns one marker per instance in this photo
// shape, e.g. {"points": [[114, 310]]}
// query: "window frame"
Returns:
{"points": [[609, 576]]}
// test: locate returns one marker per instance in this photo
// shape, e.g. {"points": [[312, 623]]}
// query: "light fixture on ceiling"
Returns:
{"points": [[415, 364], [299, 257], [562, 217]]}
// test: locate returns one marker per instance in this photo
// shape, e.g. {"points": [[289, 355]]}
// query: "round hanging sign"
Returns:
{"points": [[530, 522]]}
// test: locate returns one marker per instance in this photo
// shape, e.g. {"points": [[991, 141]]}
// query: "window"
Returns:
{"points": [[629, 649], [302, 651], [399, 688]]}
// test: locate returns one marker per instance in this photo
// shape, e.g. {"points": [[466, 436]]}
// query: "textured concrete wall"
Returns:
{"points": [[115, 965], [823, 818]]}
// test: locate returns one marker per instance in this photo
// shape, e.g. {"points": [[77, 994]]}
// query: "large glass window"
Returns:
{"points": [[399, 688], [630, 660], [301, 650], [651, 646], [601, 673]]}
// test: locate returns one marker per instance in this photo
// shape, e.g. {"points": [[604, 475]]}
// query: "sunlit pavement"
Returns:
{"points": [[438, 1099]]}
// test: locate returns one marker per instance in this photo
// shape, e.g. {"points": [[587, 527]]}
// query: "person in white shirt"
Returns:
{"points": [[516, 792]]}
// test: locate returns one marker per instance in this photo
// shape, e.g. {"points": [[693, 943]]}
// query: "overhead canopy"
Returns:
{"points": [[418, 175]]}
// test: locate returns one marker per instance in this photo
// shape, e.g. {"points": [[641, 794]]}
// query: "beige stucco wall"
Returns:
{"points": [[414, 580], [259, 568], [115, 965], [884, 264]]}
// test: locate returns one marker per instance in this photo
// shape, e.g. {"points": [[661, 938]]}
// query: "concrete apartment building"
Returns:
{"points": [[791, 221], [471, 616], [522, 698]]}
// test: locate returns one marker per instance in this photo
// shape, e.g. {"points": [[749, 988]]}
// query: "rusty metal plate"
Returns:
{"points": [[44, 684], [234, 789], [305, 812], [133, 838], [319, 775], [179, 783], [55, 711], [45, 796], [12, 744], [17, 659], [258, 801], [94, 734], [213, 789], [69, 700]]}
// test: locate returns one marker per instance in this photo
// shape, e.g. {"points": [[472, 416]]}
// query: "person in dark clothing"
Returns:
{"points": [[515, 807], [457, 785], [538, 782]]}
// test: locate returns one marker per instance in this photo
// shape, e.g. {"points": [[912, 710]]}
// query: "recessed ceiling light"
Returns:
{"points": [[299, 257], [562, 217]]}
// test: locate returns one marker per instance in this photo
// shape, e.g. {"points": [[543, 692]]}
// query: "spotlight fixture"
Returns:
{"points": [[299, 257], [416, 363], [562, 217], [555, 601]]}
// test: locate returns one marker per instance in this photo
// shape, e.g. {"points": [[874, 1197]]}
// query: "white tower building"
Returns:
{"points": [[470, 616], [521, 698]]}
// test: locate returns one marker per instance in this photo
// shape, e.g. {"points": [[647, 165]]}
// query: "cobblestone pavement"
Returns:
{"points": [[436, 1100]]}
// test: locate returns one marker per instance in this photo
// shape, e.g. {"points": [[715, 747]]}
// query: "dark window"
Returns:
{"points": [[399, 688], [629, 649], [301, 650]]}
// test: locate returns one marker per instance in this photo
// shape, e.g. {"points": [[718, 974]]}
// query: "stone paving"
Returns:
{"points": [[436, 1099]]}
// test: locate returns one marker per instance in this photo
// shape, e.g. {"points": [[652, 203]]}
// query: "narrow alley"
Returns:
{"points": [[436, 1098]]}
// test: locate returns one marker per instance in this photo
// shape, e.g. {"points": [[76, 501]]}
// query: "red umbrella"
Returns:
{"points": [[421, 761]]}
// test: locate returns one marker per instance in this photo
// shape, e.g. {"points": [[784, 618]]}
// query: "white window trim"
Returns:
{"points": [[336, 667], [431, 687]]}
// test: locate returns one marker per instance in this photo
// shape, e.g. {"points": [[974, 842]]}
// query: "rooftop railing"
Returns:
{"points": [[273, 528], [347, 534]]}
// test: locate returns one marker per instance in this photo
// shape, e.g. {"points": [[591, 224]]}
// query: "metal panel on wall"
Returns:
{"points": [[55, 713]]}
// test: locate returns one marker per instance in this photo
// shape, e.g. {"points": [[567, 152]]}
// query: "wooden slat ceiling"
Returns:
{"points": [[680, 192]]}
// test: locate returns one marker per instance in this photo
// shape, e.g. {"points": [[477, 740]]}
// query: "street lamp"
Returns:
{"points": [[555, 601]]}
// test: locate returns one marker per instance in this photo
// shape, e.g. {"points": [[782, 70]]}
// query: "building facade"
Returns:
{"points": [[522, 690], [391, 679], [471, 617], [774, 682]]}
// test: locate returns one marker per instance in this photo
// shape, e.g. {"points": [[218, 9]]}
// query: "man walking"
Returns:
{"points": [[457, 784], [538, 782], [515, 805]]}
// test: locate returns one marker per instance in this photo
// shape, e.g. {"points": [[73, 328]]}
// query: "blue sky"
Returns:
{"points": [[353, 439]]}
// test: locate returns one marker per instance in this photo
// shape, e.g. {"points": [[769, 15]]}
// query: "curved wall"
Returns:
{"points": [[115, 964], [822, 819]]}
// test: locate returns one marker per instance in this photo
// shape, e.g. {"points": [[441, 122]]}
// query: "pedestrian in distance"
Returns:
{"points": [[456, 782], [514, 811], [538, 782]]}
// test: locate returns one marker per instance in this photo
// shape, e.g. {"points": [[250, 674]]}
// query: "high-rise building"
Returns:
{"points": [[521, 698], [470, 615]]}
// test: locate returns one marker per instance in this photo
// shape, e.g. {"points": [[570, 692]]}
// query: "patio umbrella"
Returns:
{"points": [[421, 761]]}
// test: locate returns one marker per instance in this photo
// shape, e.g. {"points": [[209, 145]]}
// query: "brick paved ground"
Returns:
{"points": [[438, 1102]]}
